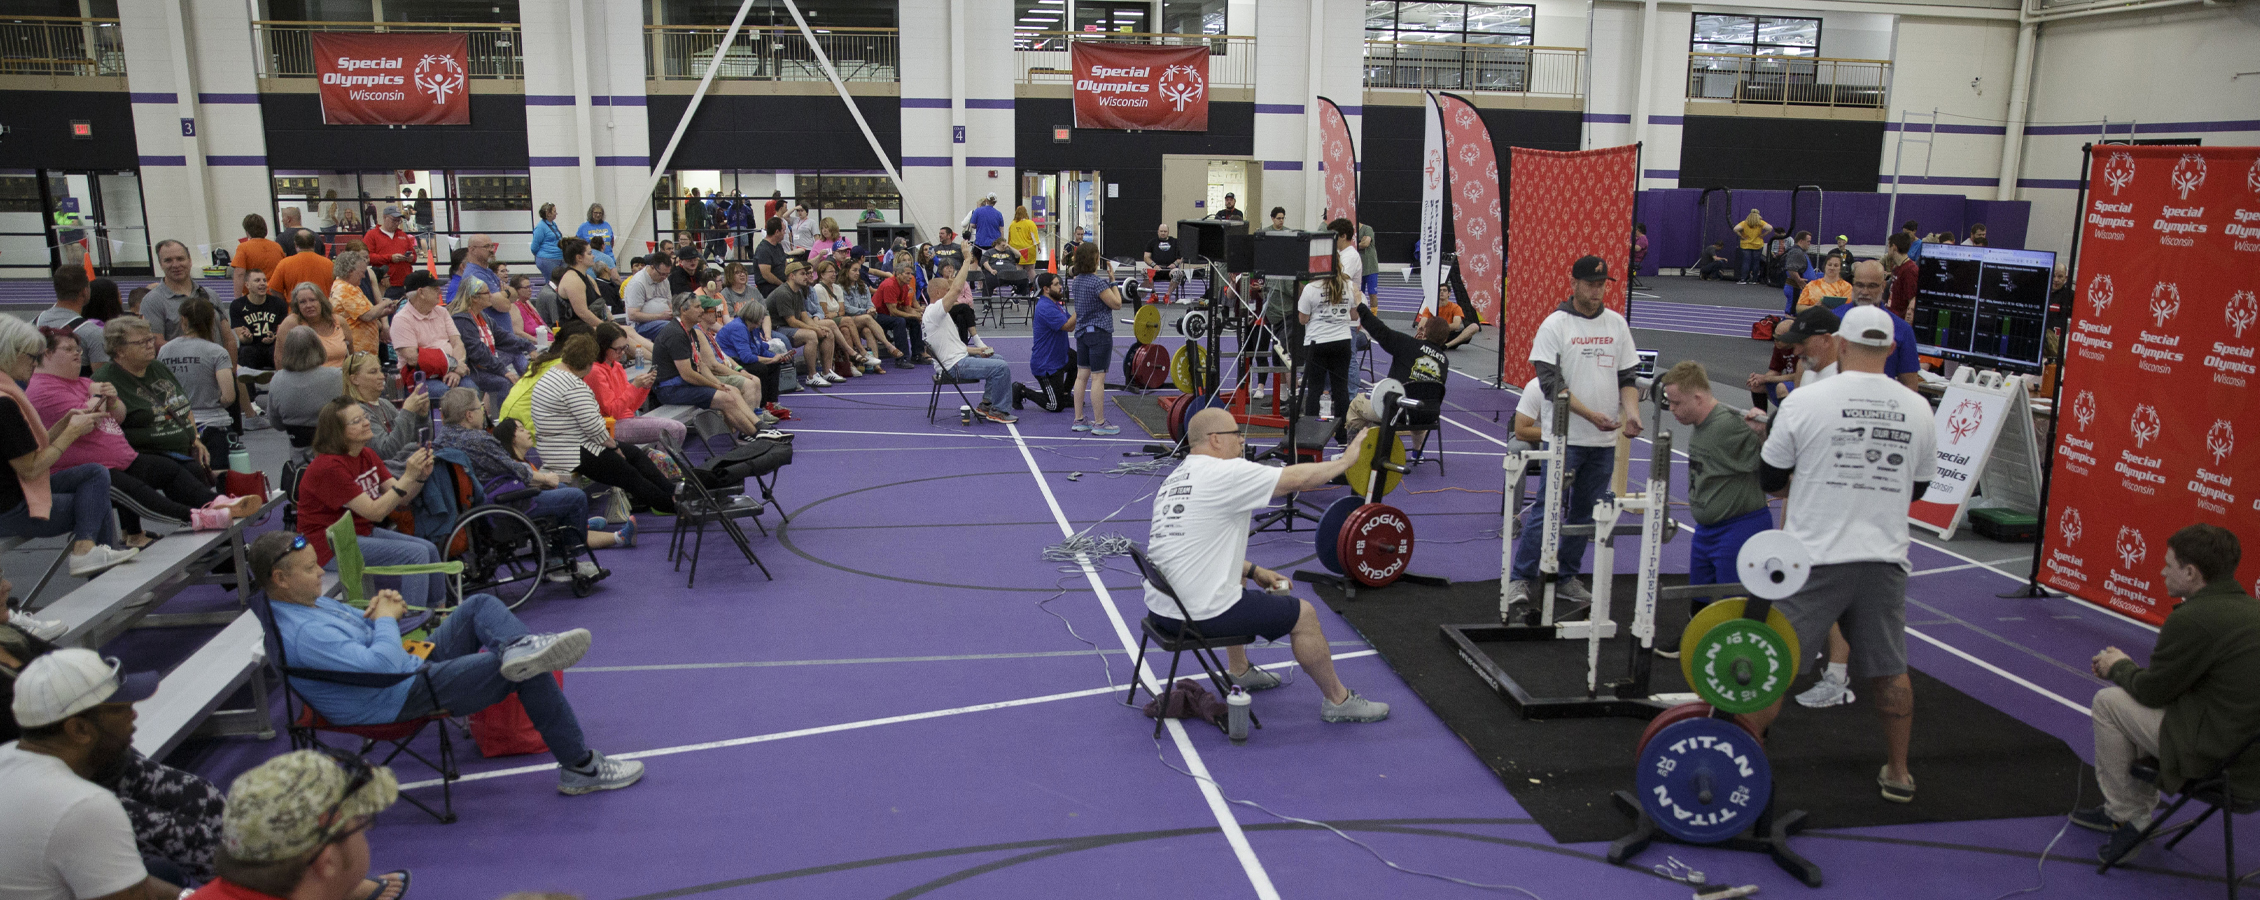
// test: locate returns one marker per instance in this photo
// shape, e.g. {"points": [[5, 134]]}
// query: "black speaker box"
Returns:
{"points": [[1204, 238], [1288, 253], [878, 236]]}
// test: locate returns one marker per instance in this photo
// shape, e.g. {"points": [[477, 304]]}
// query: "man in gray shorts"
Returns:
{"points": [[1851, 453]]}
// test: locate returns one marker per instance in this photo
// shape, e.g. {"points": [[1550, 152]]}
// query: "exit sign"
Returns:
{"points": [[1061, 135], [82, 129]]}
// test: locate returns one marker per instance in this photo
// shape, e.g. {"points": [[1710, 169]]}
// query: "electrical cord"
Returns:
{"points": [[2079, 791]]}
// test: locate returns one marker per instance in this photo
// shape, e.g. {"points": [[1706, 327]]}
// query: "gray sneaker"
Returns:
{"points": [[1518, 609], [536, 654], [605, 774], [1571, 589], [1255, 679], [1354, 709], [1827, 692]]}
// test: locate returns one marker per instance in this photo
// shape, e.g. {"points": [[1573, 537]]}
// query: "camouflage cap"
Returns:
{"points": [[275, 811]]}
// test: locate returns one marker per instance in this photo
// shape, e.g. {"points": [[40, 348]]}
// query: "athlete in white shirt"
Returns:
{"points": [[63, 837], [1199, 544]]}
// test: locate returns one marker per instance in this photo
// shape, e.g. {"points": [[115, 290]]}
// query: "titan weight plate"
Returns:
{"points": [[1721, 611], [1376, 544], [1694, 710], [1740, 665], [1330, 531], [1145, 324], [1362, 466], [1773, 564], [1193, 324], [1704, 780], [1188, 368]]}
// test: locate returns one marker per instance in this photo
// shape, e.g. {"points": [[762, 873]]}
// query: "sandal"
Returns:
{"points": [[391, 885], [1896, 792]]}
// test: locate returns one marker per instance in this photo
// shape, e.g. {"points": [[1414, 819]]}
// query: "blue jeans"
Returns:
{"points": [[81, 506], [381, 547], [1591, 467], [1711, 560], [995, 375], [1753, 267], [467, 680], [565, 504]]}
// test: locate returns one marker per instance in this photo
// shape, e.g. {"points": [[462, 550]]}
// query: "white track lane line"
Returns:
{"points": [[1257, 877]]}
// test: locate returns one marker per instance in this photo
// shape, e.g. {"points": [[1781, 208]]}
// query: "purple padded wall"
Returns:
{"points": [[1773, 205], [1673, 232], [1933, 212], [2005, 221], [1858, 216]]}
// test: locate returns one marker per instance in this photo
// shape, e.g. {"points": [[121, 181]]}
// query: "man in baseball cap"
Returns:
{"points": [[296, 827], [63, 836]]}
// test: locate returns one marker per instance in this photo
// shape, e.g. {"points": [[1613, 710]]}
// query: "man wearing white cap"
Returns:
{"points": [[63, 837], [1851, 452]]}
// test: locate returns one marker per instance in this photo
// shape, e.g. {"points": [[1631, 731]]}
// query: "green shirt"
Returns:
{"points": [[1722, 462], [2205, 673], [169, 427], [1366, 252]]}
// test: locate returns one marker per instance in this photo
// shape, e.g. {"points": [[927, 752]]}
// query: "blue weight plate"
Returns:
{"points": [[1704, 780], [1330, 531]]}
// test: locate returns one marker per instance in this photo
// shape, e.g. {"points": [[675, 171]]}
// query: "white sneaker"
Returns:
{"points": [[818, 380], [99, 559], [1829, 691], [43, 629]]}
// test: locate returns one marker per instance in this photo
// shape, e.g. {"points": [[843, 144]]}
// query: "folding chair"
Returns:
{"points": [[695, 508], [353, 574], [1430, 421], [1188, 637], [2215, 791], [934, 401], [306, 722]]}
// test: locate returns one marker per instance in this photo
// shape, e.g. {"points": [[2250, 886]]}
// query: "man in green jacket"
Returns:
{"points": [[2197, 702]]}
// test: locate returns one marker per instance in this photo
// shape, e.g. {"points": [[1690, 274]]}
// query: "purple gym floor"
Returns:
{"points": [[904, 712]]}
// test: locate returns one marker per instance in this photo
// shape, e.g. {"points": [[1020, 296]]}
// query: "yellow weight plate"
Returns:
{"points": [[1188, 367], [1722, 610], [1361, 466], [1145, 325]]}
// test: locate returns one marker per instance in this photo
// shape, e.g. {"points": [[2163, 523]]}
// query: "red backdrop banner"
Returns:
{"points": [[1140, 87], [2159, 367], [1478, 232], [393, 79], [1565, 205], [1338, 157]]}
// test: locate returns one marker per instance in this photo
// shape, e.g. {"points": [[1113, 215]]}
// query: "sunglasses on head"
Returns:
{"points": [[358, 774]]}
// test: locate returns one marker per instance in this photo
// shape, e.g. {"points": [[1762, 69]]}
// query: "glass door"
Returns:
{"points": [[51, 217]]}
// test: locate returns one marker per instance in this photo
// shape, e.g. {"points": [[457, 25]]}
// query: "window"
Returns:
{"points": [[1101, 15], [1452, 23], [1193, 17], [821, 14], [1036, 24], [1756, 35]]}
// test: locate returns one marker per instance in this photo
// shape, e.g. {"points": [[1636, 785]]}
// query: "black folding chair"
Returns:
{"points": [[1428, 420], [934, 401], [306, 722], [695, 508], [1188, 637], [2215, 791]]}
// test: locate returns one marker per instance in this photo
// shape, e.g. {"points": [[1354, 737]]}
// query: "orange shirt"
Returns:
{"points": [[349, 304], [1450, 310], [260, 254], [305, 265]]}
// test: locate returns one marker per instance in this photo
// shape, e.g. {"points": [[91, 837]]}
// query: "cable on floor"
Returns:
{"points": [[2079, 790]]}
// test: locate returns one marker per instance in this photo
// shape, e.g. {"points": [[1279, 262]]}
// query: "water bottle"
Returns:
{"points": [[1326, 407], [1237, 706], [965, 414], [239, 459]]}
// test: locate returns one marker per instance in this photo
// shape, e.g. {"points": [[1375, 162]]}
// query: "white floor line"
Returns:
{"points": [[992, 438], [1257, 876], [828, 729], [2080, 708]]}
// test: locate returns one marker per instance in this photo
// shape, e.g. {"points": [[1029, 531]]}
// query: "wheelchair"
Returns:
{"points": [[505, 549]]}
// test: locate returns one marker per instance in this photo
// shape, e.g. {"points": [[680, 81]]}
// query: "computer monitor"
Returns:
{"points": [[1983, 306]]}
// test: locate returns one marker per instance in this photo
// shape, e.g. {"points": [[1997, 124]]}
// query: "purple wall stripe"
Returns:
{"points": [[260, 161], [1924, 128], [2058, 184], [1943, 180], [553, 162], [926, 161], [153, 98], [1352, 110], [1002, 162], [925, 103], [1282, 165], [549, 99], [247, 99], [164, 160], [619, 100], [988, 104], [1660, 173], [1282, 109], [633, 162], [1616, 118]]}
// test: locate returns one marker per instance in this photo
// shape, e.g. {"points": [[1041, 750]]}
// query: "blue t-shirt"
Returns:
{"points": [[1903, 357], [596, 229], [988, 224], [1048, 353], [1091, 313]]}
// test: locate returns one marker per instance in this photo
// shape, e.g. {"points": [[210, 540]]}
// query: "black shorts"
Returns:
{"points": [[1261, 613]]}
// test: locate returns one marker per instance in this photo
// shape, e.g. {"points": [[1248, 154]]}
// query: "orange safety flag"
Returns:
{"points": [[431, 259], [86, 256]]}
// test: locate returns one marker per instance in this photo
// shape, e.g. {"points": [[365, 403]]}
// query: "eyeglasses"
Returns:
{"points": [[358, 774], [1233, 433]]}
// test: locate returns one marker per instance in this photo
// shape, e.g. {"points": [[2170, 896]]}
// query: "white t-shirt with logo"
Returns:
{"points": [[1199, 537], [1590, 353], [62, 836], [1535, 404], [1858, 441], [1328, 321]]}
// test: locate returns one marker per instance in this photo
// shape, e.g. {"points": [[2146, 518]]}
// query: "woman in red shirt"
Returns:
{"points": [[348, 477], [620, 396]]}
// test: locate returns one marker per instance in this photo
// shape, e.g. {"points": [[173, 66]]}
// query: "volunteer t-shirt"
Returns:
{"points": [[63, 837], [1590, 353], [330, 482], [1858, 442], [1722, 468], [1199, 534], [1328, 321]]}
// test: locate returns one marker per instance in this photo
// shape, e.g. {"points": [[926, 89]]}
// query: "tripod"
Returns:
{"points": [[1293, 446]]}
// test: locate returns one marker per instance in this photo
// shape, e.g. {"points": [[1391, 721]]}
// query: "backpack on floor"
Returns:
{"points": [[1762, 329]]}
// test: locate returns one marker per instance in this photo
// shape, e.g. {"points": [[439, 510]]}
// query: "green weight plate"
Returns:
{"points": [[1741, 666], [1145, 324], [1721, 611]]}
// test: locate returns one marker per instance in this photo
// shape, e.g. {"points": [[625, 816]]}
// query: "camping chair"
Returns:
{"points": [[934, 400], [353, 573], [2213, 789], [695, 507], [306, 723], [1188, 637]]}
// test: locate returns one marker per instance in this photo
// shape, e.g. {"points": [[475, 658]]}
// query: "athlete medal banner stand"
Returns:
{"points": [[1338, 158], [1140, 87], [2160, 366], [1985, 437], [1564, 206], [1478, 232], [393, 79]]}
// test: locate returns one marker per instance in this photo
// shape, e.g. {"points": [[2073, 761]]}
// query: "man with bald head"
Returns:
{"points": [[1199, 544], [478, 262], [1868, 283]]}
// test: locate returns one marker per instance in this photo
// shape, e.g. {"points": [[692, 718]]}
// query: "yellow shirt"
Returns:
{"points": [[1753, 234], [1022, 237], [350, 305]]}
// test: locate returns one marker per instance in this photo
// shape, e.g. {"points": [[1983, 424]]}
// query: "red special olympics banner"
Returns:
{"points": [[1565, 205], [393, 79], [1478, 233], [2160, 367], [1338, 158], [1140, 87]]}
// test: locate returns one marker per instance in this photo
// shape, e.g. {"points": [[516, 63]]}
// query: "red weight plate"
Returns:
{"points": [[1689, 710], [1173, 412], [1376, 544]]}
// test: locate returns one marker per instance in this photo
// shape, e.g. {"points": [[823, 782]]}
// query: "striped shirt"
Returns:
{"points": [[566, 419]]}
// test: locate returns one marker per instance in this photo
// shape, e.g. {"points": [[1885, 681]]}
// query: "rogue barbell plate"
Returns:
{"points": [[1188, 368], [1722, 610], [1145, 324], [1741, 666], [1330, 531], [1376, 544], [1704, 780], [1361, 465], [1773, 564], [1173, 413], [1152, 368]]}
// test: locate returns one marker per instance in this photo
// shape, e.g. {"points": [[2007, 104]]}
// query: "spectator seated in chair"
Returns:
{"points": [[690, 374], [297, 826], [319, 632], [818, 342], [958, 350], [750, 343], [463, 426], [157, 416], [570, 434]]}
